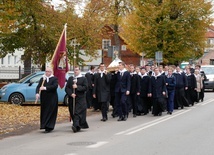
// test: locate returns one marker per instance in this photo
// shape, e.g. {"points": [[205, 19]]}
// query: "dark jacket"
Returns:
{"points": [[181, 80], [191, 81], [89, 77], [157, 86], [144, 86], [123, 83], [102, 87], [171, 80], [135, 83]]}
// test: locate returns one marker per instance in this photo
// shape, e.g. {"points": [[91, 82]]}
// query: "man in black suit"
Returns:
{"points": [[101, 90], [122, 90], [135, 89], [89, 95]]}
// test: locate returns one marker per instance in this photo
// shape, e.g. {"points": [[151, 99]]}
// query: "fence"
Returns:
{"points": [[15, 74]]}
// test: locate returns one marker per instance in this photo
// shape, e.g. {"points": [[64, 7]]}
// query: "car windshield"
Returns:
{"points": [[23, 79], [208, 70]]}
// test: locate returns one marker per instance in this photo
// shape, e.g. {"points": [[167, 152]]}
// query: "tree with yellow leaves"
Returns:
{"points": [[175, 27]]}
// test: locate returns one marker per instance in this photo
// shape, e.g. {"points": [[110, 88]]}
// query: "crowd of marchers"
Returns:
{"points": [[128, 89], [140, 90]]}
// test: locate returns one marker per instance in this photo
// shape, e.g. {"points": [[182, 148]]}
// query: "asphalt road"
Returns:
{"points": [[189, 131]]}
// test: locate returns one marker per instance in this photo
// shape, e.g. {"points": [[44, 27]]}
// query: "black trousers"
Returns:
{"points": [[180, 99], [133, 99], [104, 109]]}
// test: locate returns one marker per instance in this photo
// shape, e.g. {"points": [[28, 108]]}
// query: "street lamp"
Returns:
{"points": [[74, 43]]}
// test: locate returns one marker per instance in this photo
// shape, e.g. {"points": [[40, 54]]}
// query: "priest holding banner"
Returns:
{"points": [[76, 88]]}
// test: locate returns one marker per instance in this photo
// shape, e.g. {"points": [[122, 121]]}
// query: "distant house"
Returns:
{"points": [[109, 46], [208, 57]]}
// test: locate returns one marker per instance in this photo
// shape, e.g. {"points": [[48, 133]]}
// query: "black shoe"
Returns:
{"points": [[104, 119], [47, 130], [160, 114], [78, 128], [120, 119], [169, 112], [202, 100], [125, 118], [74, 129]]}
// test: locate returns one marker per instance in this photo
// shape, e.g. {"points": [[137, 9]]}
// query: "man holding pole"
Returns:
{"points": [[76, 88], [47, 92]]}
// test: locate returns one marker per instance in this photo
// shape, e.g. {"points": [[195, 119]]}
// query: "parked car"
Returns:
{"points": [[209, 71], [183, 65], [24, 90]]}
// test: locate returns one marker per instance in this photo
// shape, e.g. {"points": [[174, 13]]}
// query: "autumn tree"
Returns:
{"points": [[175, 27], [110, 12]]}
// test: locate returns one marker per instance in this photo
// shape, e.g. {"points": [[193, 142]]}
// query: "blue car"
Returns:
{"points": [[24, 90]]}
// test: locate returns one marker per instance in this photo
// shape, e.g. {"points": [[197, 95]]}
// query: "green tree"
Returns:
{"points": [[176, 27], [32, 26]]}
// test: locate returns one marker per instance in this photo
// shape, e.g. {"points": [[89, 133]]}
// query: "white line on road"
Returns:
{"points": [[98, 144], [142, 125], [152, 124], [148, 123], [206, 102]]}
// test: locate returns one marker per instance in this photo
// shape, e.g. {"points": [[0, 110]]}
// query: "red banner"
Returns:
{"points": [[59, 60]]}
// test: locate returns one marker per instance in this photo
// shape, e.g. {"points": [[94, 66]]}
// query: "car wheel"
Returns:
{"points": [[66, 100], [16, 98]]}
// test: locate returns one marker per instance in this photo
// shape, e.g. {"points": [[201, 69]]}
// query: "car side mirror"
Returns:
{"points": [[30, 84]]}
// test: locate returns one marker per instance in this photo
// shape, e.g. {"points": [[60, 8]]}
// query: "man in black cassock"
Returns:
{"points": [[144, 93], [101, 90], [76, 88], [134, 89], [89, 94], [157, 92], [47, 92]]}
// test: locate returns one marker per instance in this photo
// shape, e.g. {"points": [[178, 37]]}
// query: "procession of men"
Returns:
{"points": [[147, 89], [129, 89]]}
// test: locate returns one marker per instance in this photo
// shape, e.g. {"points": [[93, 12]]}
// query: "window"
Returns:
{"points": [[116, 48], [15, 59], [123, 47], [210, 41], [2, 61], [9, 57], [211, 61], [106, 43]]}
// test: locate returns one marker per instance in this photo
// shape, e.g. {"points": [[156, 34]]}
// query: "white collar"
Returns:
{"points": [[122, 71], [47, 77], [144, 75], [78, 76], [90, 72], [132, 73], [159, 74]]}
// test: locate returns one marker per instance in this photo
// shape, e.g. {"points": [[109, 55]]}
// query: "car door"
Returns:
{"points": [[31, 85]]}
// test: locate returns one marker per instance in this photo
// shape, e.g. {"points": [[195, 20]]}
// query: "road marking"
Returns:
{"points": [[142, 125], [207, 101], [152, 124], [98, 144]]}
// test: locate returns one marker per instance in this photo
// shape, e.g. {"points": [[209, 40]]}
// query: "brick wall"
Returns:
{"points": [[205, 60]]}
